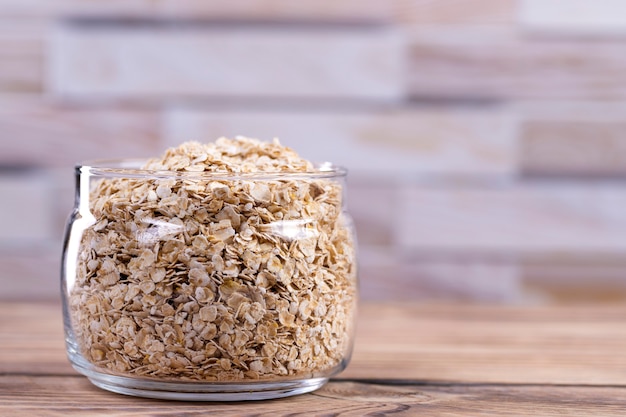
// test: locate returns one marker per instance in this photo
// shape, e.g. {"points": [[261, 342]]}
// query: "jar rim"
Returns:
{"points": [[132, 168]]}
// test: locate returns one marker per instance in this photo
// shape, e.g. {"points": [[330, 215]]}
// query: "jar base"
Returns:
{"points": [[197, 391]]}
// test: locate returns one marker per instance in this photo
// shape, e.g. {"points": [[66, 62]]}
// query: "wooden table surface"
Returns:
{"points": [[424, 360]]}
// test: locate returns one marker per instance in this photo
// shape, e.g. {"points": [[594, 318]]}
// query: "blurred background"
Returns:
{"points": [[486, 139]]}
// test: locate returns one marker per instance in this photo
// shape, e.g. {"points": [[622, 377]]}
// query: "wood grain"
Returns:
{"points": [[409, 359], [32, 338], [24, 395], [151, 62], [549, 345]]}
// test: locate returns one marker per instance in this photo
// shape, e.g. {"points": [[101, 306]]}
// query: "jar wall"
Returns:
{"points": [[202, 284]]}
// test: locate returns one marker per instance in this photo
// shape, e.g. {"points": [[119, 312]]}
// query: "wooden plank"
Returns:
{"points": [[42, 133], [32, 338], [572, 138], [456, 12], [272, 10], [40, 394], [396, 143], [573, 345], [21, 54], [536, 220], [351, 63], [496, 63], [573, 17], [401, 341]]}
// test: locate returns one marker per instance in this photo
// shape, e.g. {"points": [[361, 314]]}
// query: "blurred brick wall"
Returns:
{"points": [[485, 138]]}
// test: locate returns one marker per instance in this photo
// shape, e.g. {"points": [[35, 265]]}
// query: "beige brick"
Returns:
{"points": [[535, 220], [456, 12], [385, 275], [575, 17], [236, 63], [573, 138], [38, 9], [576, 282], [372, 206], [21, 55], [20, 74], [387, 143], [495, 63], [574, 147], [30, 274], [63, 184], [25, 218], [307, 10], [40, 133], [302, 10]]}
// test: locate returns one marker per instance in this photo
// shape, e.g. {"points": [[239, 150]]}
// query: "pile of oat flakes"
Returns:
{"points": [[195, 278]]}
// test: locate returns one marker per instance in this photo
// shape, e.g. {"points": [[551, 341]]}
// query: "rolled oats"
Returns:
{"points": [[216, 278]]}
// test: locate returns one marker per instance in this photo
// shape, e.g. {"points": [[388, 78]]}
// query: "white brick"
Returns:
{"points": [[302, 10], [384, 275], [153, 62], [494, 63], [21, 55], [372, 205], [40, 133], [393, 143], [32, 274], [25, 215], [536, 220], [576, 17], [456, 12], [580, 138], [596, 281]]}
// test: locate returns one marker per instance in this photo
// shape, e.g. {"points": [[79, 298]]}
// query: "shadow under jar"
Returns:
{"points": [[208, 286]]}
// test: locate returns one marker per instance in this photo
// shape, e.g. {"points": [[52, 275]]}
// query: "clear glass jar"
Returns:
{"points": [[206, 286]]}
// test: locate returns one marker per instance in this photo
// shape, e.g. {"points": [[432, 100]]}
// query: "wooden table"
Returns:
{"points": [[409, 360]]}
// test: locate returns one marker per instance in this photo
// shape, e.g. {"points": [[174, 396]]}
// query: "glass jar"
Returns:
{"points": [[207, 286]]}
